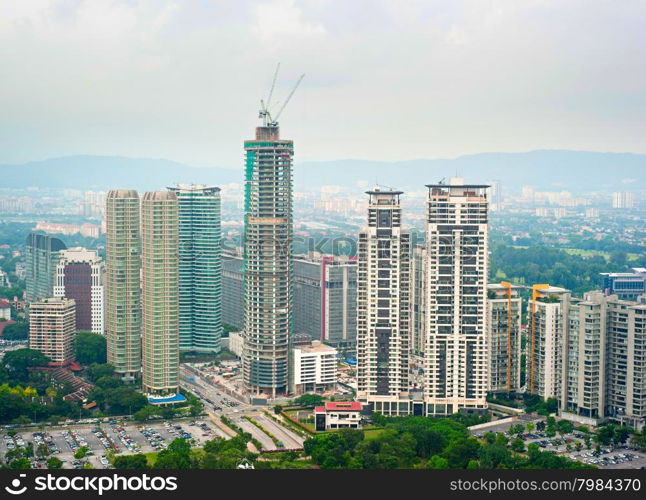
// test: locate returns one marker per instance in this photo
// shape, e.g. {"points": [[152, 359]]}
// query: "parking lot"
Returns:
{"points": [[621, 458], [121, 438]]}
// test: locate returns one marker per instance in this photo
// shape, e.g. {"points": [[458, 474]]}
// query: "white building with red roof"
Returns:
{"points": [[338, 415]]}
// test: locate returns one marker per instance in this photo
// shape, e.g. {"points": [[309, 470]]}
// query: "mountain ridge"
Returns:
{"points": [[576, 171]]}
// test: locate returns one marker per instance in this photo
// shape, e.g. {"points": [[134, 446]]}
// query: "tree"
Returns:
{"points": [[16, 331], [530, 427], [437, 462], [518, 445], [176, 456], [459, 453], [124, 400], [565, 427], [309, 400], [81, 452], [622, 434], [18, 362], [196, 407], [493, 455], [605, 434], [145, 413], [90, 348], [54, 463], [108, 382], [42, 450], [138, 461], [540, 426], [20, 463], [95, 371]]}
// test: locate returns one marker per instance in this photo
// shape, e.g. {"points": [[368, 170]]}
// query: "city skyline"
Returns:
{"points": [[267, 301]]}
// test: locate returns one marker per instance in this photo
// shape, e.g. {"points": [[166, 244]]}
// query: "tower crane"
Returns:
{"points": [[265, 112]]}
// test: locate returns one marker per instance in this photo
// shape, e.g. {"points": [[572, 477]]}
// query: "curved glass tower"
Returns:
{"points": [[200, 267]]}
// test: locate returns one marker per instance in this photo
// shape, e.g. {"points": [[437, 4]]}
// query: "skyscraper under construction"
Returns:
{"points": [[268, 265], [267, 261]]}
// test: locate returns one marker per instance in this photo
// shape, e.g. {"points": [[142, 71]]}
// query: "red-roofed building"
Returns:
{"points": [[338, 415]]}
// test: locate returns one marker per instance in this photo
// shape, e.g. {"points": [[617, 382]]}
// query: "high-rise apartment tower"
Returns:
{"points": [[42, 253], [122, 283], [160, 293], [504, 309], [383, 306], [80, 276], [457, 244], [200, 267], [52, 328]]}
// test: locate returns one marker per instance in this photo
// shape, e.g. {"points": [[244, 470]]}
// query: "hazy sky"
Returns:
{"points": [[400, 79]]}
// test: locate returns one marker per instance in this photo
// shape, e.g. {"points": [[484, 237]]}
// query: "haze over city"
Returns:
{"points": [[385, 80]]}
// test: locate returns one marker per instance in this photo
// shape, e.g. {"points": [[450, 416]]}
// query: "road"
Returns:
{"points": [[265, 440], [289, 439], [205, 390]]}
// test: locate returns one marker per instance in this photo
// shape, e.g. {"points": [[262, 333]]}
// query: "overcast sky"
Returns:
{"points": [[400, 79]]}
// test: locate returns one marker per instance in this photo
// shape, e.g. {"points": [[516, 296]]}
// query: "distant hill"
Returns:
{"points": [[104, 172], [576, 171]]}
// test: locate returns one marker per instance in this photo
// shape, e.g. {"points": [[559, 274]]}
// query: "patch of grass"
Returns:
{"points": [[151, 457], [372, 433], [586, 253]]}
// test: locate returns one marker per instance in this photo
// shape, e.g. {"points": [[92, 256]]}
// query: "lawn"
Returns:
{"points": [[151, 457], [372, 433], [589, 253], [294, 414]]}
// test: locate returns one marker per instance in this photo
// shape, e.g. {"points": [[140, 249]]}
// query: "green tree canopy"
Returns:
{"points": [[90, 348], [308, 400], [16, 331], [54, 463], [17, 362], [138, 461], [96, 370], [176, 456]]}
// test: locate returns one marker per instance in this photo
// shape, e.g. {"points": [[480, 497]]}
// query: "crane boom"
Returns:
{"points": [[275, 120], [273, 85]]}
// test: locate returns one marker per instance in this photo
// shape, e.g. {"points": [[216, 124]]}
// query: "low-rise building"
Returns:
{"points": [[626, 286], [235, 343], [338, 415], [314, 368]]}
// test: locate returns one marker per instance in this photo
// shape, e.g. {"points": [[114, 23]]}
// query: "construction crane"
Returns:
{"points": [[265, 112]]}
